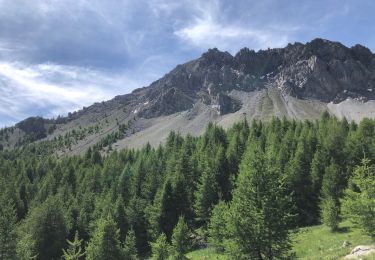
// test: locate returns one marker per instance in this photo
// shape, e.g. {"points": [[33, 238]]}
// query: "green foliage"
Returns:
{"points": [[160, 248], [330, 192], [26, 248], [259, 218], [7, 229], [74, 251], [105, 243], [298, 180], [206, 195], [147, 189], [330, 213], [181, 243], [315, 242], [45, 230], [217, 228], [359, 200], [130, 250]]}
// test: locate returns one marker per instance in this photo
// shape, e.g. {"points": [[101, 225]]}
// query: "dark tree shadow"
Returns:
{"points": [[342, 230]]}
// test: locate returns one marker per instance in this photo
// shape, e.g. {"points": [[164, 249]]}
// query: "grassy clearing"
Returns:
{"points": [[312, 243], [208, 253], [319, 243]]}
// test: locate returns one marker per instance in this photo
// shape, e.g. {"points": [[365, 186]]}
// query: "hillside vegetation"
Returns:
{"points": [[316, 242], [239, 191]]}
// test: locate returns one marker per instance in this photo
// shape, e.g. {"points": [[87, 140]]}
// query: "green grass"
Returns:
{"points": [[319, 242], [316, 242], [208, 253]]}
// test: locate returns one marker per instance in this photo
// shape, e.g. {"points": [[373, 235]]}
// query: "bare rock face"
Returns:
{"points": [[320, 70]]}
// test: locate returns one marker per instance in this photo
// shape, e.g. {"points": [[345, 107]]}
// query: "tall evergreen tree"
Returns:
{"points": [[166, 214], [130, 249], [259, 217], [318, 166], [74, 251], [160, 248], [181, 240], [217, 227], [7, 229], [299, 182], [206, 196], [26, 248], [105, 243], [330, 195], [48, 229], [359, 200]]}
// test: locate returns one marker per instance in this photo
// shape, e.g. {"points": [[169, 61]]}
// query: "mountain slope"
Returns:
{"points": [[299, 81]]}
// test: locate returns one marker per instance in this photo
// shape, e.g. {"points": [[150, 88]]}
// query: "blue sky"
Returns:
{"points": [[59, 55]]}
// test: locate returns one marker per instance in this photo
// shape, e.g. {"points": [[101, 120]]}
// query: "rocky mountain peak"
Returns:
{"points": [[216, 58], [321, 69]]}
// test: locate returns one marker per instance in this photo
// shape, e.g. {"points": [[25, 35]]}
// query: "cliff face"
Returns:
{"points": [[320, 70]]}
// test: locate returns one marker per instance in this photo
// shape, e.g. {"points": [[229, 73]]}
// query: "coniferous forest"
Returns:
{"points": [[242, 191]]}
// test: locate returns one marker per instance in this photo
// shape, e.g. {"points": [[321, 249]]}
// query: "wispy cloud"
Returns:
{"points": [[207, 33], [210, 27], [50, 90]]}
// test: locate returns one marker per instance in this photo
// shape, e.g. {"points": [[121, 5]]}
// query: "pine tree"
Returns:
{"points": [[47, 228], [105, 243], [75, 251], [160, 248], [330, 194], [120, 217], [26, 248], [318, 166], [182, 203], [359, 201], [259, 217], [330, 213], [167, 215], [137, 220], [124, 183], [181, 240], [7, 229], [299, 182], [206, 196], [130, 250], [217, 227]]}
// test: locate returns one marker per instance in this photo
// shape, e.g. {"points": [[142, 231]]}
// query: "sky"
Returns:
{"points": [[57, 56]]}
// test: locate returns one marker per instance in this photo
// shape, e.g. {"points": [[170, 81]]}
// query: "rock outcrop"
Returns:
{"points": [[361, 251], [320, 70]]}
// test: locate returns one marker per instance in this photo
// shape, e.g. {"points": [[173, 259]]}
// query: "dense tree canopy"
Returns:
{"points": [[135, 197]]}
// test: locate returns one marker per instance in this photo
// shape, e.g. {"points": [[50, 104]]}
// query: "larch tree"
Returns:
{"points": [[160, 248], [359, 200], [105, 243], [259, 217], [7, 229], [180, 240], [75, 250], [330, 195]]}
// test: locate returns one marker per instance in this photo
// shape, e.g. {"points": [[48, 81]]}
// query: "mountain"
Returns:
{"points": [[299, 81]]}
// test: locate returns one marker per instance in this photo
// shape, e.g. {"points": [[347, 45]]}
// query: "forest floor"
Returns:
{"points": [[316, 242]]}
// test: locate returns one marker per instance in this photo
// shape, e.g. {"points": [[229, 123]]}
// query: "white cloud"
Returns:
{"points": [[207, 30], [51, 90], [206, 33]]}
